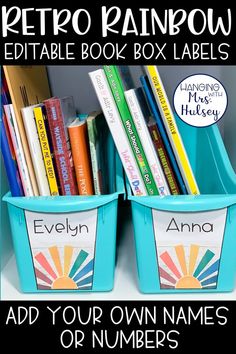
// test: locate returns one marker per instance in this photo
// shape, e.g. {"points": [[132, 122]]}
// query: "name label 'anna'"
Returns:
{"points": [[189, 227]]}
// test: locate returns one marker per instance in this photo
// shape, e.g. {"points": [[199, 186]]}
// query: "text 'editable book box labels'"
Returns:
{"points": [[184, 243]]}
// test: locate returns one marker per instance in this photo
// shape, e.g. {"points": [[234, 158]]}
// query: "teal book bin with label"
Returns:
{"points": [[187, 243], [67, 244]]}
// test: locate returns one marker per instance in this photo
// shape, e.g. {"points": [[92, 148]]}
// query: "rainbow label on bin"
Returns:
{"points": [[188, 248], [63, 249]]}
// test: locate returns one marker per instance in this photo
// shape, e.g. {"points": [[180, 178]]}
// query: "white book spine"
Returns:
{"points": [[147, 143], [94, 164], [35, 150], [120, 138], [18, 148]]}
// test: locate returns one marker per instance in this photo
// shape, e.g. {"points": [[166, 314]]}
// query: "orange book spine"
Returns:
{"points": [[80, 153]]}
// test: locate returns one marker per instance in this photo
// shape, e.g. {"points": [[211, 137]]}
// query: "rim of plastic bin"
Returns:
{"points": [[187, 203], [60, 204]]}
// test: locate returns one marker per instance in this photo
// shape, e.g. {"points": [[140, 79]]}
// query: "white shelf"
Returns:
{"points": [[126, 287]]}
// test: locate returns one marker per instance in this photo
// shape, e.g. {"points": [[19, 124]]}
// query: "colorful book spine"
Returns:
{"points": [[18, 148], [92, 136], [116, 86], [145, 137], [161, 128], [172, 129], [45, 150], [35, 149], [80, 153], [164, 160], [60, 147], [118, 133], [98, 132], [8, 153], [10, 164]]}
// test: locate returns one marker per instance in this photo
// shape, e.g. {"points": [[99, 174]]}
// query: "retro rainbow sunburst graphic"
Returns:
{"points": [[55, 270], [199, 272]]}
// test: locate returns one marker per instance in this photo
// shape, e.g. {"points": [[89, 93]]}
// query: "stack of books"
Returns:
{"points": [[145, 132], [48, 150]]}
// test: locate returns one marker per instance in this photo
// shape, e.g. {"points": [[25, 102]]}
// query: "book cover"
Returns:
{"points": [[97, 133], [161, 129], [8, 153], [81, 157], [28, 85], [117, 130], [35, 149], [116, 86], [49, 138], [132, 97], [10, 163], [58, 120], [111, 173], [172, 129], [40, 117], [18, 148], [163, 157], [126, 77]]}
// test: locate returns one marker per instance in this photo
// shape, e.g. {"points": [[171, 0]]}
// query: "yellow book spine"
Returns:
{"points": [[172, 129], [39, 118]]}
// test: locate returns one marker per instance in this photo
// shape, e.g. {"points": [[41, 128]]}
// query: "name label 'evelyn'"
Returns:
{"points": [[76, 229], [40, 227]]}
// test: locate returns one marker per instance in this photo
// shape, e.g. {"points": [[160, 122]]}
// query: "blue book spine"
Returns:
{"points": [[10, 165], [161, 128]]}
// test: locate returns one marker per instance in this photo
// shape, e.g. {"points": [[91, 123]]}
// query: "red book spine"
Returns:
{"points": [[164, 159], [61, 147]]}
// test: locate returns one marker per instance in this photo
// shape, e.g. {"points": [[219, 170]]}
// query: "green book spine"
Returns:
{"points": [[116, 86], [93, 141]]}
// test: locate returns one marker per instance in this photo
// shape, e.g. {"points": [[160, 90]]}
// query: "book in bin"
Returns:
{"points": [[97, 134], [35, 149], [117, 89], [41, 124], [161, 129], [81, 157], [61, 113], [112, 116], [136, 105], [163, 157], [18, 149], [10, 164], [7, 149], [28, 85]]}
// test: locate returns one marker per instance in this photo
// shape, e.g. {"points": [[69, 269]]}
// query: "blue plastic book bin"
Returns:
{"points": [[188, 243], [67, 244]]}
